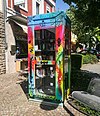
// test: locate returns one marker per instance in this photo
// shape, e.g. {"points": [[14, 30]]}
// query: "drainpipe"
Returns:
{"points": [[5, 41], [4, 11]]}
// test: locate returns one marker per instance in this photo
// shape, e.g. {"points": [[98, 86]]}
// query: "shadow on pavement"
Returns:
{"points": [[80, 79], [23, 82], [24, 86], [92, 74], [53, 107], [68, 111], [48, 106]]}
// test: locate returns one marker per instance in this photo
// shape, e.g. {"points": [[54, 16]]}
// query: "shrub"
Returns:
{"points": [[89, 58]]}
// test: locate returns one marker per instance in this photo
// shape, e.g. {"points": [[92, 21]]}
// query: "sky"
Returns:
{"points": [[60, 5]]}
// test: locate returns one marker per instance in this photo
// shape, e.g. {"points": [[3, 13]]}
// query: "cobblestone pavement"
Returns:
{"points": [[14, 102]]}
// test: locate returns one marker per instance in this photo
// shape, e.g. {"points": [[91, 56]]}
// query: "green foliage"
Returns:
{"points": [[89, 58], [85, 34], [76, 61], [97, 33], [86, 109], [87, 11], [85, 15], [76, 26]]}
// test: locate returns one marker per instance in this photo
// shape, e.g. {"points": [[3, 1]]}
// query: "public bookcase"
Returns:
{"points": [[49, 37]]}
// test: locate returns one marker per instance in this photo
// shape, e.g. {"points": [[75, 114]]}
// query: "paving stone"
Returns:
{"points": [[14, 102]]}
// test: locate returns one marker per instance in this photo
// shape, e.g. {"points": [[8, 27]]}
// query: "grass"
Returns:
{"points": [[83, 108]]}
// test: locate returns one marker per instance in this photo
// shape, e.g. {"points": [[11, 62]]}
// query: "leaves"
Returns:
{"points": [[82, 23], [87, 11]]}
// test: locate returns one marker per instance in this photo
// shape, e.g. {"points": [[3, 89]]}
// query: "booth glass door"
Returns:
{"points": [[44, 62]]}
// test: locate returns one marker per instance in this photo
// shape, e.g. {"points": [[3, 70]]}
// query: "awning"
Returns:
{"points": [[24, 27], [20, 21], [19, 18]]}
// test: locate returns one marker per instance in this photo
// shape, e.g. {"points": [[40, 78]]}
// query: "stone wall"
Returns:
{"points": [[2, 45]]}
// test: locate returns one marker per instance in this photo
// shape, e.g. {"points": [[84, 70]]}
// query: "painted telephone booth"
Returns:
{"points": [[49, 56]]}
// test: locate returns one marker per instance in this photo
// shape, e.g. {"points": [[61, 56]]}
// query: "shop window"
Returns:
{"points": [[21, 49], [37, 8]]}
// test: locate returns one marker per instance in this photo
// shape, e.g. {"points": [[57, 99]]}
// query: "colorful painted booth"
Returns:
{"points": [[49, 57]]}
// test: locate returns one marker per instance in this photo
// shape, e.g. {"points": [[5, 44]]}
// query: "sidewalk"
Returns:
{"points": [[94, 68], [14, 102]]}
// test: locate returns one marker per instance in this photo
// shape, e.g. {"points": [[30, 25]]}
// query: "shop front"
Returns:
{"points": [[21, 52], [17, 46]]}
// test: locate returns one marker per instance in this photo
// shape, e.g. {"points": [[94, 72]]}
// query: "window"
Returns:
{"points": [[47, 8], [21, 47], [23, 5], [37, 8], [47, 11]]}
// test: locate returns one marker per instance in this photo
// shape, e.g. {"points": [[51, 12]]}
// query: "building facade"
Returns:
{"points": [[16, 29]]}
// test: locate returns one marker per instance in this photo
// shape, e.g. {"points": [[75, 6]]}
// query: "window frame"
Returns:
{"points": [[24, 7], [37, 7], [48, 8]]}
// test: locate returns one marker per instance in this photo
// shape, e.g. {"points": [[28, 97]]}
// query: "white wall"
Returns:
{"points": [[10, 59], [1, 5]]}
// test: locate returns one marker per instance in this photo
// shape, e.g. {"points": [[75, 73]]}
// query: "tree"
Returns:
{"points": [[76, 27], [87, 12], [85, 18], [97, 33]]}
